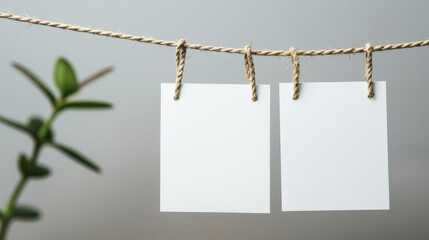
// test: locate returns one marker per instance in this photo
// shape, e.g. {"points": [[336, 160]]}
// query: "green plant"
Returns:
{"points": [[41, 132]]}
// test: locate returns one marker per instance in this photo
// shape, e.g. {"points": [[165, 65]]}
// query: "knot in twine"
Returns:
{"points": [[295, 72], [368, 70], [249, 68], [180, 66]]}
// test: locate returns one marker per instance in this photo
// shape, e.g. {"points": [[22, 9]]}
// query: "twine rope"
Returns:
{"points": [[249, 68], [180, 66], [181, 47], [368, 70], [295, 73], [200, 47]]}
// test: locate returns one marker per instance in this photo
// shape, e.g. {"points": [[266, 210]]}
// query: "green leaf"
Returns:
{"points": [[65, 78], [85, 104], [1, 215], [36, 81], [30, 169], [14, 124], [95, 76], [76, 156], [25, 213], [35, 124]]}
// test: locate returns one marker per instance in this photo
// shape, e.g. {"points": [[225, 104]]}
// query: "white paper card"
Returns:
{"points": [[215, 149], [334, 147]]}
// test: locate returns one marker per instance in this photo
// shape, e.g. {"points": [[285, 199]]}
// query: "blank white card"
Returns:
{"points": [[334, 147], [215, 149]]}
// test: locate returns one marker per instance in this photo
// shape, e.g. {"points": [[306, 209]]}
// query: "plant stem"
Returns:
{"points": [[44, 130], [38, 143], [3, 229], [8, 214], [11, 206]]}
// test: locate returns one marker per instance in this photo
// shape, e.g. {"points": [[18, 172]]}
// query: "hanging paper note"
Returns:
{"points": [[215, 149], [334, 147]]}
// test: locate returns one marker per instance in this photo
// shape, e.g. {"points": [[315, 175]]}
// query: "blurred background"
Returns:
{"points": [[123, 202]]}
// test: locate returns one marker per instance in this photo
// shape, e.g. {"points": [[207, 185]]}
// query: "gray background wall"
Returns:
{"points": [[123, 202]]}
